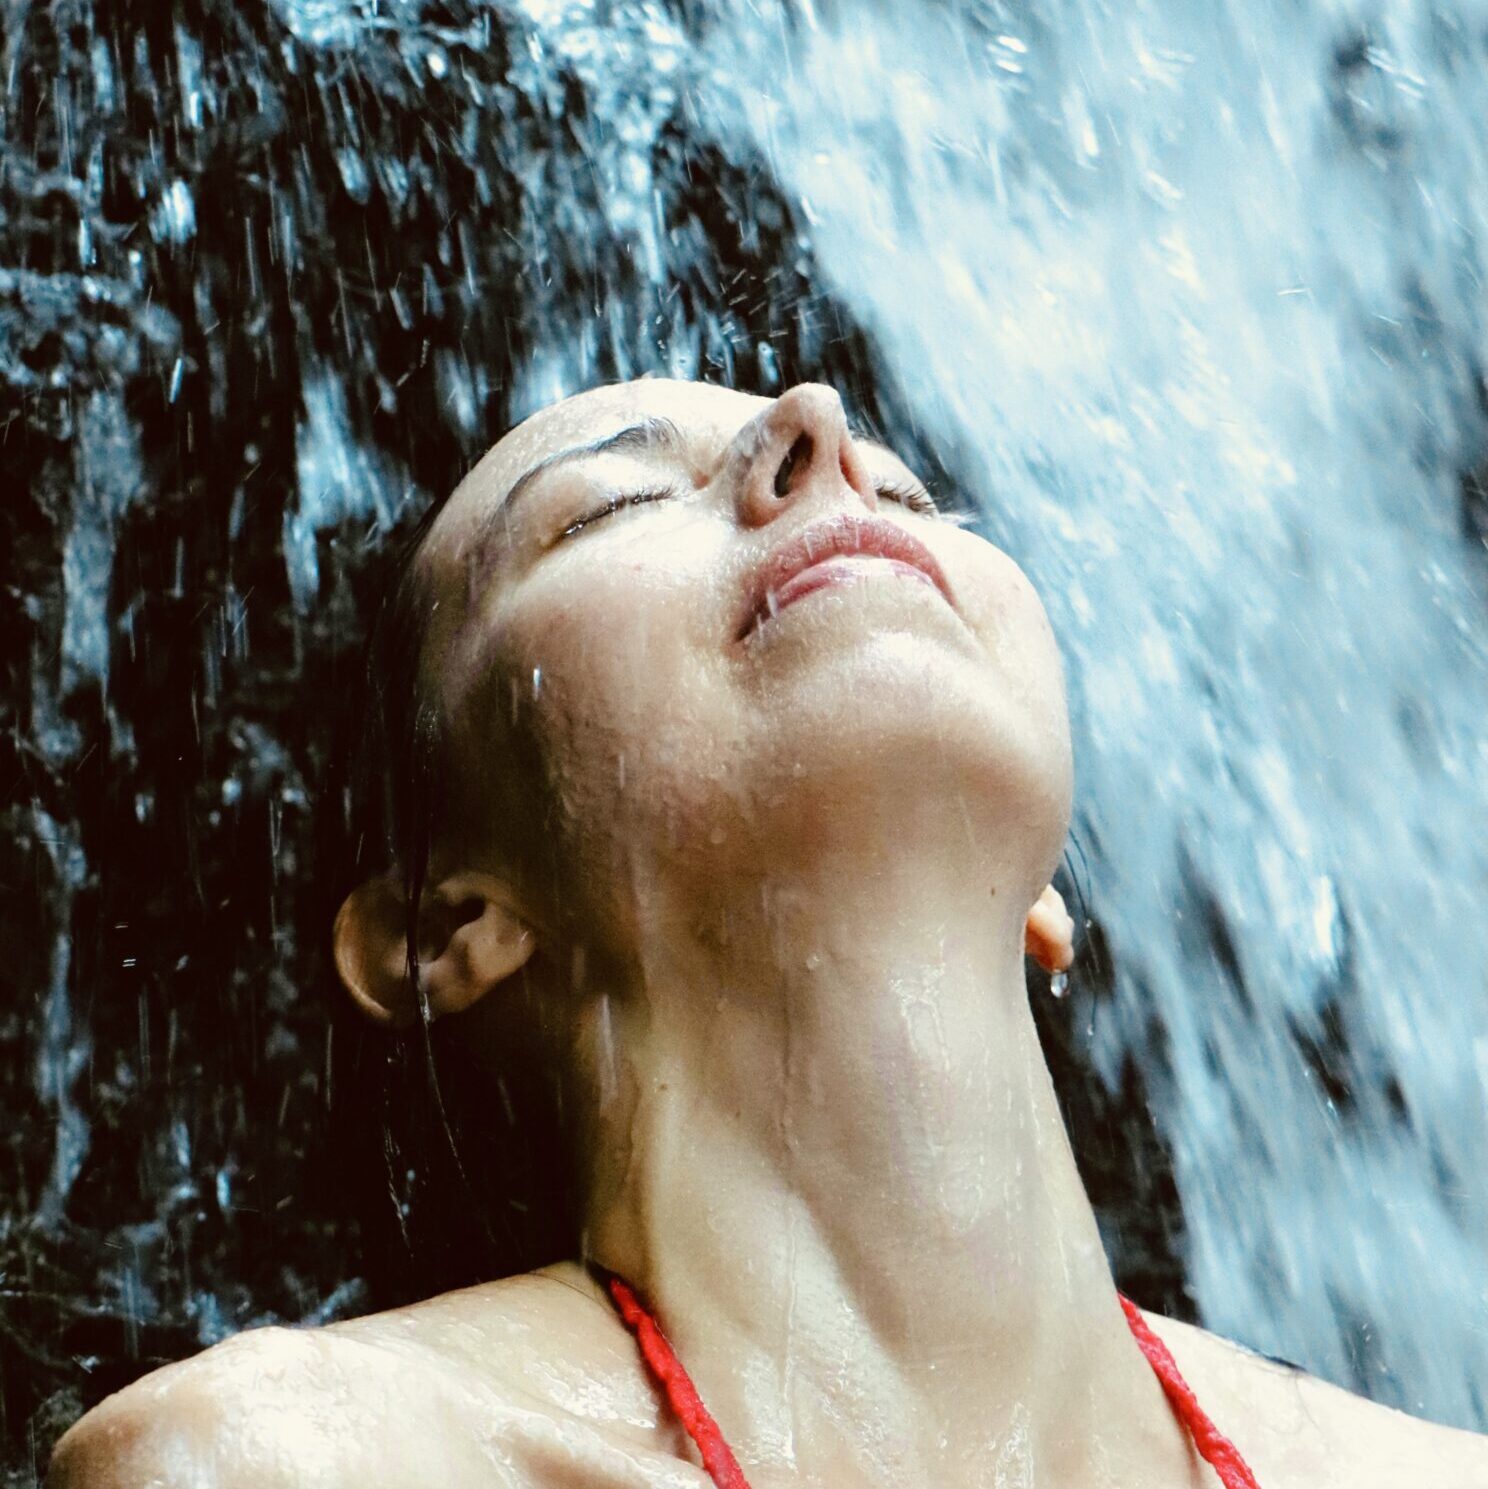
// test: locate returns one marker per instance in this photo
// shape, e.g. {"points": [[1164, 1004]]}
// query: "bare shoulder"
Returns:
{"points": [[527, 1381], [1299, 1432]]}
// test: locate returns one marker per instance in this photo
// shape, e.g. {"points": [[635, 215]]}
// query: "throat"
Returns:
{"points": [[848, 1195]]}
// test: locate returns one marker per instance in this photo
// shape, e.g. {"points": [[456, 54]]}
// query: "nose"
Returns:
{"points": [[797, 448]]}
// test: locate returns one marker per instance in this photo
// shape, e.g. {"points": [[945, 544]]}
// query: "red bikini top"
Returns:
{"points": [[723, 1468]]}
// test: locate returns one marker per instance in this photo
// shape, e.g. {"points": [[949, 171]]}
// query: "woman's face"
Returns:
{"points": [[682, 630]]}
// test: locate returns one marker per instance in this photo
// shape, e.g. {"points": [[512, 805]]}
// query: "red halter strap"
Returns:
{"points": [[723, 1468], [1214, 1447]]}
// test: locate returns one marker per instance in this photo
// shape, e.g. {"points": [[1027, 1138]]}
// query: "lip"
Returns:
{"points": [[842, 536]]}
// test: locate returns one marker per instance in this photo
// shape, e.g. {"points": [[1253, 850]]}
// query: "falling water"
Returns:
{"points": [[1187, 300]]}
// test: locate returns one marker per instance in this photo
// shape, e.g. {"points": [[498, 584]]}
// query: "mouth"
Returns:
{"points": [[844, 549]]}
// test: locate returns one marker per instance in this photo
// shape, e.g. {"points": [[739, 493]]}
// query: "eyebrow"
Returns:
{"points": [[643, 435], [640, 436]]}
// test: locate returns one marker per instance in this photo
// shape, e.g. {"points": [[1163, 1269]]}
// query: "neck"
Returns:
{"points": [[827, 1152]]}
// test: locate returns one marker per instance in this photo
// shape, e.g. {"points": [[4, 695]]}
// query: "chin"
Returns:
{"points": [[897, 730]]}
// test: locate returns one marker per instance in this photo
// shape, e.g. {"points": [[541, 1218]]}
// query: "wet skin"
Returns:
{"points": [[753, 878]]}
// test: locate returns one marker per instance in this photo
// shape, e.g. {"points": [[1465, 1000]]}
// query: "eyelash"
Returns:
{"points": [[914, 498], [615, 504]]}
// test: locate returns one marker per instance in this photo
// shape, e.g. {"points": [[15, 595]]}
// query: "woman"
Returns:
{"points": [[750, 768]]}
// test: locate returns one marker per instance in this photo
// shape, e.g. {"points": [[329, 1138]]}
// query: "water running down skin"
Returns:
{"points": [[723, 1467], [809, 1117]]}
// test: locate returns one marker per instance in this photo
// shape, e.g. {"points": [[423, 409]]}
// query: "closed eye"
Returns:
{"points": [[908, 494], [615, 504]]}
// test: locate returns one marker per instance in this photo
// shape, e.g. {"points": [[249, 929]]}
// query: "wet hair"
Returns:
{"points": [[474, 1175], [406, 753]]}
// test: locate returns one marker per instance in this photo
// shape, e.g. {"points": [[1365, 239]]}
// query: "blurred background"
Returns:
{"points": [[1188, 300]]}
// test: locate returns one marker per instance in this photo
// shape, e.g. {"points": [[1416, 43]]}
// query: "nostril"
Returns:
{"points": [[798, 455]]}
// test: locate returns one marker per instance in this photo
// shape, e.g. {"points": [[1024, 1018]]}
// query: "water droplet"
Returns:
{"points": [[536, 681], [1059, 984], [813, 961], [608, 1080]]}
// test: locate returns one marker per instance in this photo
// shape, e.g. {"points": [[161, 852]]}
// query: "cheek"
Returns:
{"points": [[1003, 607], [615, 670]]}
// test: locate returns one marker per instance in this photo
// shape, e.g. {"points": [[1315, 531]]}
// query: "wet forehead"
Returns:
{"points": [[706, 416]]}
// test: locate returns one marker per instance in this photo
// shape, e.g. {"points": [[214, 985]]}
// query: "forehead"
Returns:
{"points": [[707, 417]]}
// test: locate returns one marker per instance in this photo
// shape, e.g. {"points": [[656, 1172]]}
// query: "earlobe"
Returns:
{"points": [[1049, 933], [470, 939]]}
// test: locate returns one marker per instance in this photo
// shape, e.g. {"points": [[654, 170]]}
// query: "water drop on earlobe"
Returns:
{"points": [[1059, 983]]}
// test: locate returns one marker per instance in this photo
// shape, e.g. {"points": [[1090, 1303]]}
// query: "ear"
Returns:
{"points": [[469, 939], [1049, 935]]}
